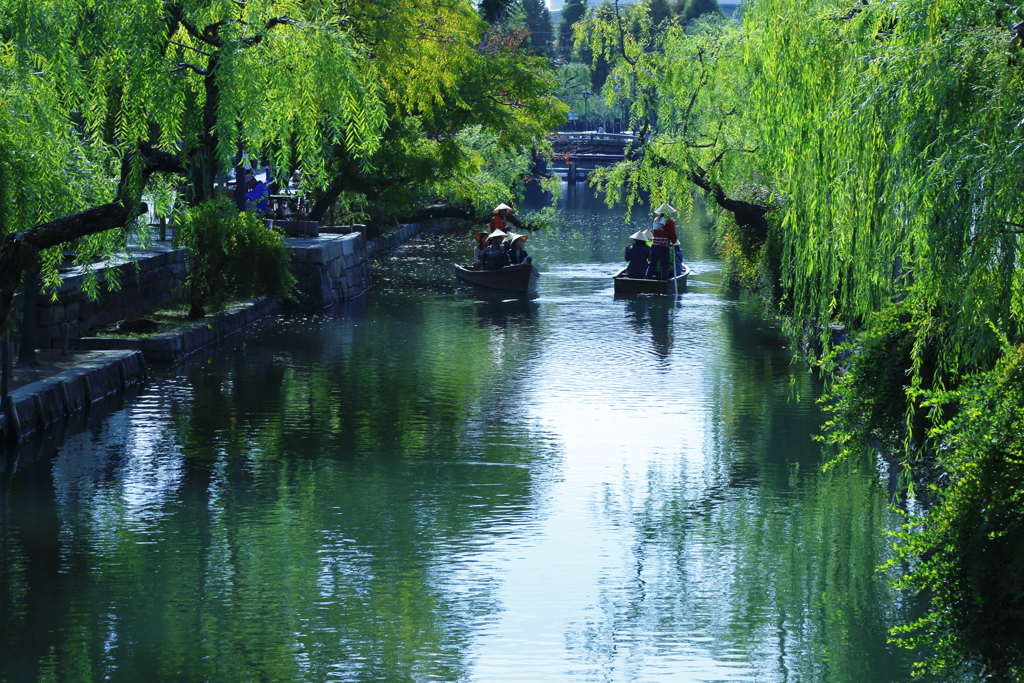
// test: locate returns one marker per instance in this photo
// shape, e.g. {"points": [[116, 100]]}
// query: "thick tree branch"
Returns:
{"points": [[20, 251], [189, 47], [185, 66], [748, 216], [276, 21]]}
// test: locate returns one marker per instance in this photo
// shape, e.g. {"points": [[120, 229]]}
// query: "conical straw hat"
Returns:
{"points": [[502, 207], [665, 208]]}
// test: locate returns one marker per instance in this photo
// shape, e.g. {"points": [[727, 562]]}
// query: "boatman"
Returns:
{"points": [[637, 254], [663, 236], [499, 220]]}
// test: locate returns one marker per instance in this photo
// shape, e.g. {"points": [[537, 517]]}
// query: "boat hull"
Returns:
{"points": [[521, 279], [633, 285]]}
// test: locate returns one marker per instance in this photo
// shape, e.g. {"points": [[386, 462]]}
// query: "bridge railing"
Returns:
{"points": [[624, 138]]}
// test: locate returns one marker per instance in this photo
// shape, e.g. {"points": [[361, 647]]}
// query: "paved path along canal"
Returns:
{"points": [[428, 487]]}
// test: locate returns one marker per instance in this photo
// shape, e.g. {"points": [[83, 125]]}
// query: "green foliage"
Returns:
{"points": [[454, 83], [967, 552], [542, 32], [573, 79], [887, 139], [696, 9], [868, 401], [231, 256], [572, 12], [660, 11]]}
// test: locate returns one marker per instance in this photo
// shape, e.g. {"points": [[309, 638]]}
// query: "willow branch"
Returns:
{"points": [[185, 66], [189, 47]]}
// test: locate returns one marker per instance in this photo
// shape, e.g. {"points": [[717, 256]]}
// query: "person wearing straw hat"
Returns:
{"points": [[495, 255], [499, 220], [638, 254], [517, 250], [478, 250], [662, 236]]}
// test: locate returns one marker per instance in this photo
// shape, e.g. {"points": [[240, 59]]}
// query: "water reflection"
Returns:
{"points": [[427, 485]]}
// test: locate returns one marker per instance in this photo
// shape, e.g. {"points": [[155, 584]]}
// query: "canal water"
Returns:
{"points": [[429, 486]]}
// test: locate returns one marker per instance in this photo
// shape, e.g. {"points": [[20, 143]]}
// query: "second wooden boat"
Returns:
{"points": [[521, 279], [635, 285]]}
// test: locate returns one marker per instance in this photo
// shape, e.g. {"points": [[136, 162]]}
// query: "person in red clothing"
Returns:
{"points": [[498, 221], [663, 236]]}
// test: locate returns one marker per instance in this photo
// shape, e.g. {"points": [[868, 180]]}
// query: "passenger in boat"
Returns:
{"points": [[517, 250], [663, 235], [638, 255], [499, 220], [478, 250], [495, 255], [678, 251]]}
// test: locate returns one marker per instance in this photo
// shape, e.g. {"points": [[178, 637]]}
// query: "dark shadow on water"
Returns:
{"points": [[503, 312], [652, 312]]}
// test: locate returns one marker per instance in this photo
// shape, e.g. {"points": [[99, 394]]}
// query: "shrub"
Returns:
{"points": [[231, 256], [966, 552]]}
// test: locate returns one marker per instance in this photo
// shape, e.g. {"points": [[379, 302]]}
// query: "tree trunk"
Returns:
{"points": [[201, 161], [28, 317]]}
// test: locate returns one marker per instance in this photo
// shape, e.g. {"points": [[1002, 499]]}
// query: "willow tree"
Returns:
{"points": [[880, 144], [100, 96], [453, 89]]}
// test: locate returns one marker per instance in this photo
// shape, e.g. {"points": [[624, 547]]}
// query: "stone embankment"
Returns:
{"points": [[336, 267], [33, 407], [171, 347], [329, 268], [147, 279]]}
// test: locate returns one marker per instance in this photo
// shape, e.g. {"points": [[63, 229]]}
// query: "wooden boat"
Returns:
{"points": [[635, 285], [521, 279]]}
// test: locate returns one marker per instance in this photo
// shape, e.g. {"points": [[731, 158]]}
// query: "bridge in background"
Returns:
{"points": [[578, 154]]}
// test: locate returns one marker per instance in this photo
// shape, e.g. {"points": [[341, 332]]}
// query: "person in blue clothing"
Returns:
{"points": [[259, 193], [638, 254], [517, 252], [495, 255], [678, 252]]}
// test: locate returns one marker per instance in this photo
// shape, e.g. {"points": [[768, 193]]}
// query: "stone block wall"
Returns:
{"points": [[332, 267], [171, 347], [41, 404], [329, 268], [148, 278]]}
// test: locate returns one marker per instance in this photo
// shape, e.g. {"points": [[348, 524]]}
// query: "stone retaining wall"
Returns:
{"points": [[148, 278], [41, 404], [171, 347], [331, 268], [404, 233]]}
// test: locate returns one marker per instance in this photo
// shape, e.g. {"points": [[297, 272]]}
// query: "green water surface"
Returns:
{"points": [[429, 486]]}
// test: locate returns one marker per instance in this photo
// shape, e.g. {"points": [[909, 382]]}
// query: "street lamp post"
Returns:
{"points": [[586, 96]]}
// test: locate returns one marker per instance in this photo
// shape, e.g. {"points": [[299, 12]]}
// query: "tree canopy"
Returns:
{"points": [[99, 97]]}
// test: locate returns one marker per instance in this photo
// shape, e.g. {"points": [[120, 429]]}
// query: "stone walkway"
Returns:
{"points": [[49, 362]]}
